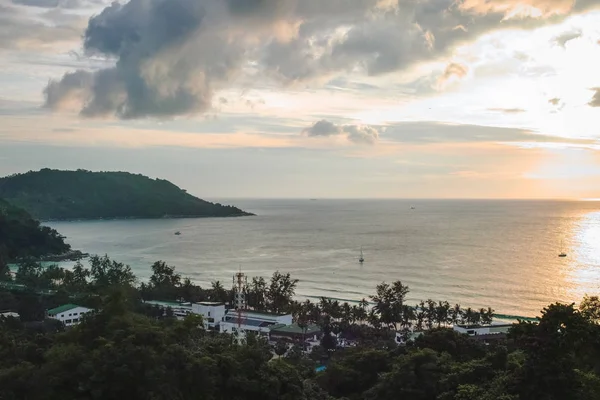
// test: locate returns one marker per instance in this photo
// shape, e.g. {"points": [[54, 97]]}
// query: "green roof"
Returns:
{"points": [[62, 309], [294, 328]]}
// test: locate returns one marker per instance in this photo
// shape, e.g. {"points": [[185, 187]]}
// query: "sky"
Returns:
{"points": [[308, 98]]}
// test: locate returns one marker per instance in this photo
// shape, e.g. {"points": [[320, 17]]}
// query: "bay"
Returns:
{"points": [[479, 253]]}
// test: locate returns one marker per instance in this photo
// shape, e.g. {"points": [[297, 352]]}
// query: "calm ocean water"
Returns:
{"points": [[501, 254]]}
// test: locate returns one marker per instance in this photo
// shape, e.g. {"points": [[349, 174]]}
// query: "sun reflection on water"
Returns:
{"points": [[584, 268]]}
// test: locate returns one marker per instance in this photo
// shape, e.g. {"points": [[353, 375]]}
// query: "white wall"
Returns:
{"points": [[209, 312], [73, 316], [227, 327]]}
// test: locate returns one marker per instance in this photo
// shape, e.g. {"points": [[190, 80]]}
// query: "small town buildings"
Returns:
{"points": [[253, 321], [68, 314], [212, 313], [295, 333]]}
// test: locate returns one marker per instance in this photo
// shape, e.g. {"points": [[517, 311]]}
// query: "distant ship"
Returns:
{"points": [[562, 253], [412, 207], [177, 233], [362, 258]]}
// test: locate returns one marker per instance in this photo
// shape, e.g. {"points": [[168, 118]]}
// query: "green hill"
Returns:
{"points": [[67, 195], [21, 236]]}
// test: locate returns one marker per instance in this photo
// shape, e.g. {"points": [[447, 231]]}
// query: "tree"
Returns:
{"points": [[282, 289], [107, 273], [328, 340], [456, 315], [281, 348], [218, 293], [5, 274], [389, 303], [164, 282], [590, 308], [164, 275], [28, 273], [257, 294], [442, 312]]}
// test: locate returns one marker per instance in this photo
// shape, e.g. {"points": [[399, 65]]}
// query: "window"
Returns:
{"points": [[75, 320], [62, 315], [74, 314], [68, 321], [70, 314], [209, 313]]}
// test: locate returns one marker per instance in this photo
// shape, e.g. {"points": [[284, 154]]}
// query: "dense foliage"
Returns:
{"points": [[21, 236], [127, 350], [65, 195]]}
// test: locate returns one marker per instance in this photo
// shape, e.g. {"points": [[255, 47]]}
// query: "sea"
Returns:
{"points": [[478, 253]]}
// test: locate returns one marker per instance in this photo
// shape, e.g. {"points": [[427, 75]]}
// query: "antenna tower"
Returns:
{"points": [[240, 285]]}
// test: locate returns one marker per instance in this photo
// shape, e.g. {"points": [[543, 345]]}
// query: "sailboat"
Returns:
{"points": [[362, 258], [562, 253]]}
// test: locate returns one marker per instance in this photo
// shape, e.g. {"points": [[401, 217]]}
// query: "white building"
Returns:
{"points": [[7, 314], [212, 313], [253, 321], [478, 330], [68, 314]]}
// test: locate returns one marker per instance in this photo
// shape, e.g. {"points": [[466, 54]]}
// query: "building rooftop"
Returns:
{"points": [[248, 322], [483, 326], [260, 313], [210, 303], [295, 329], [62, 309], [171, 304]]}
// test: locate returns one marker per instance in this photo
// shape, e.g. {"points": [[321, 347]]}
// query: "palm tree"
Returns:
{"points": [[456, 314], [469, 316], [443, 313], [420, 315], [430, 313]]}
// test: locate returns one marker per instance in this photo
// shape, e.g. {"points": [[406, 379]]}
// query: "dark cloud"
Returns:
{"points": [[360, 134], [323, 128], [173, 55], [566, 37], [595, 102], [507, 110]]}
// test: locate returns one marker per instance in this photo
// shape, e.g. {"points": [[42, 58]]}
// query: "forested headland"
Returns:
{"points": [[130, 350], [23, 237], [71, 195]]}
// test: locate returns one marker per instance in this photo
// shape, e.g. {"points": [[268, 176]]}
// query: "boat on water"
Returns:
{"points": [[412, 207], [562, 253], [177, 233], [362, 258]]}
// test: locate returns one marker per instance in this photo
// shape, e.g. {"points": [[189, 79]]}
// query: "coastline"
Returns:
{"points": [[238, 215]]}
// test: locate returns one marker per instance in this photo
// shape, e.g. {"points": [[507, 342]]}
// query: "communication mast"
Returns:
{"points": [[240, 285]]}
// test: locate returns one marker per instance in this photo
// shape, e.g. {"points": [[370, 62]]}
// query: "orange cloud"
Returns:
{"points": [[519, 8]]}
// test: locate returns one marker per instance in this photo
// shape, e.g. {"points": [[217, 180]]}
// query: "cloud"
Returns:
{"points": [[565, 37], [72, 4], [172, 56], [453, 70], [19, 30], [595, 102], [554, 101], [507, 110], [424, 132], [359, 134]]}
